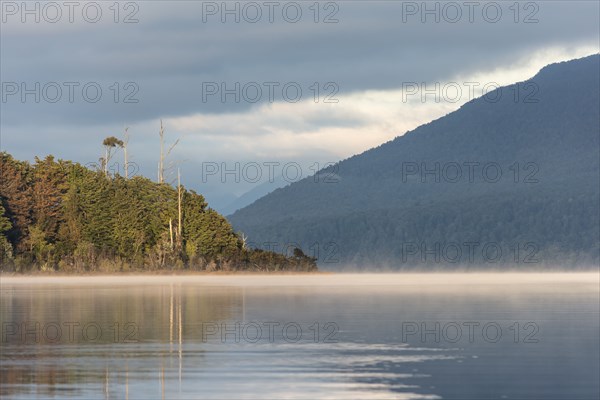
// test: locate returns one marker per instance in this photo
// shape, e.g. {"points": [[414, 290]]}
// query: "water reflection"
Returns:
{"points": [[186, 340]]}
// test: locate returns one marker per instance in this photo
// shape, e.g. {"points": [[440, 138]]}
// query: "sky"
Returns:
{"points": [[261, 91]]}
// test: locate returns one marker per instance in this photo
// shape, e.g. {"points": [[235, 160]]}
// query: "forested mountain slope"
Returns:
{"points": [[516, 170]]}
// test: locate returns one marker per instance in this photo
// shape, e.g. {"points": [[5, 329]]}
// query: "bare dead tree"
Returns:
{"points": [[163, 156], [244, 240], [162, 153], [179, 204], [126, 159]]}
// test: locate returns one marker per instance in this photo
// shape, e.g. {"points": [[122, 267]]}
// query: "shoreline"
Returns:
{"points": [[314, 279]]}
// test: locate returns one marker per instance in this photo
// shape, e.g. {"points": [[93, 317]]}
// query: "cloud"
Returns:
{"points": [[166, 59], [171, 52], [358, 121]]}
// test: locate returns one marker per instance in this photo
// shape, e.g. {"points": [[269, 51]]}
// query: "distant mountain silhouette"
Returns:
{"points": [[252, 195], [515, 171]]}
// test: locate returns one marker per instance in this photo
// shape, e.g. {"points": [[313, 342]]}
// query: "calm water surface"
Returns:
{"points": [[451, 336]]}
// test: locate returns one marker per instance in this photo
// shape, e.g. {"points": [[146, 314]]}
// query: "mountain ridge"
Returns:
{"points": [[543, 141]]}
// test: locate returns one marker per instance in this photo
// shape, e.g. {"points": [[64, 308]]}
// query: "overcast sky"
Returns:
{"points": [[304, 84]]}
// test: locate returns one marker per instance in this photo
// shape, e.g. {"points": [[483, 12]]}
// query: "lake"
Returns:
{"points": [[368, 336]]}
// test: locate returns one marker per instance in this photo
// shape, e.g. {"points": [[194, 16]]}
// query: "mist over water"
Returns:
{"points": [[407, 336]]}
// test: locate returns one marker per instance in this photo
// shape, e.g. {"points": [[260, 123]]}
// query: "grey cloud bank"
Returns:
{"points": [[170, 52]]}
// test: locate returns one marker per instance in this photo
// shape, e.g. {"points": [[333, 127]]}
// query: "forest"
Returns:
{"points": [[58, 215]]}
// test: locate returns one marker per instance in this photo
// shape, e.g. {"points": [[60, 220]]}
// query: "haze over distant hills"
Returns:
{"points": [[509, 179], [252, 195]]}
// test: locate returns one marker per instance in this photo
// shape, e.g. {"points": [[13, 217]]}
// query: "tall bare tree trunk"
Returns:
{"points": [[171, 231], [106, 161], [161, 165], [125, 142], [179, 204]]}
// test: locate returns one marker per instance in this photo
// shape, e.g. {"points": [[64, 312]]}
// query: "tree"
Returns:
{"points": [[49, 188], [6, 251], [109, 144], [125, 155], [163, 156], [16, 196]]}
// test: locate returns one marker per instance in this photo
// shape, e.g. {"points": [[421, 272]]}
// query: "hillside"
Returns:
{"points": [[520, 174], [58, 215]]}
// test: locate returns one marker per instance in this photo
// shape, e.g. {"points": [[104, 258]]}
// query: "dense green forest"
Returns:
{"points": [[59, 215]]}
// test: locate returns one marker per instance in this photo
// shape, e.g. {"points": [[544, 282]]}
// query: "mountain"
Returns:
{"points": [[515, 172], [252, 195], [219, 201]]}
